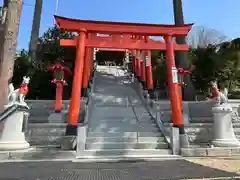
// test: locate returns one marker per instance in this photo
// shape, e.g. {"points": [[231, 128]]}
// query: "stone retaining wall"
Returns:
{"points": [[41, 109], [45, 134], [200, 134], [193, 112]]}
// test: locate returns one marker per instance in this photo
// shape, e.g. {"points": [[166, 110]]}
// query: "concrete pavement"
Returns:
{"points": [[132, 170]]}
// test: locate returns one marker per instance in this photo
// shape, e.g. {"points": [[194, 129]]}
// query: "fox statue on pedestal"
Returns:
{"points": [[17, 96], [218, 96]]}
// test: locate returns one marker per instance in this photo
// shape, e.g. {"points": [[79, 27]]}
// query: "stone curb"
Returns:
{"points": [[210, 152], [36, 154]]}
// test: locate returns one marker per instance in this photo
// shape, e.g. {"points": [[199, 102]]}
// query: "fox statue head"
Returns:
{"points": [[26, 80]]}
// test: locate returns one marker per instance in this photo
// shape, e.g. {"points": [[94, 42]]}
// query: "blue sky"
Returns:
{"points": [[222, 15]]}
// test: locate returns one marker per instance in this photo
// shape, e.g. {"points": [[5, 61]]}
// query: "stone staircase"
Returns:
{"points": [[120, 126]]}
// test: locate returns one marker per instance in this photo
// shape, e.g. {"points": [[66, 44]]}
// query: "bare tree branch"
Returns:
{"points": [[201, 36]]}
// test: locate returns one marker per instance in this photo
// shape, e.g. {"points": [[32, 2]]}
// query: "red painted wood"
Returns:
{"points": [[103, 27], [106, 42]]}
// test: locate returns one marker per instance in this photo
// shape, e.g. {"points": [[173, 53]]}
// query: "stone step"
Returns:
{"points": [[126, 122], [47, 125], [35, 120], [128, 130], [133, 123], [116, 105], [117, 153], [125, 134], [41, 133], [121, 129], [125, 139], [44, 140], [126, 145], [113, 111], [238, 136], [46, 132], [237, 131], [35, 129], [120, 119]]}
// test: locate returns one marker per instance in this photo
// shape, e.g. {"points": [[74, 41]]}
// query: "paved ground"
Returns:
{"points": [[231, 164], [140, 170]]}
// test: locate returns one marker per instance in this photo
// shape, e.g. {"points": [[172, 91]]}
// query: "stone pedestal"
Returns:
{"points": [[57, 117], [223, 133], [12, 135]]}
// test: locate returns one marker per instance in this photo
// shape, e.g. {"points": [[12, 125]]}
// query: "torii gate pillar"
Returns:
{"points": [[74, 108], [176, 101], [87, 71]]}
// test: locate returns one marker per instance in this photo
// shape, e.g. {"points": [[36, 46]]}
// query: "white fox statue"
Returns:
{"points": [[17, 96]]}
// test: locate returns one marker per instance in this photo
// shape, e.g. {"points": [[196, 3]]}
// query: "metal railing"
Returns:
{"points": [[7, 112]]}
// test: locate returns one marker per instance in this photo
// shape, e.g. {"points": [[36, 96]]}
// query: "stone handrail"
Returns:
{"points": [[154, 115], [83, 127], [89, 103], [7, 112]]}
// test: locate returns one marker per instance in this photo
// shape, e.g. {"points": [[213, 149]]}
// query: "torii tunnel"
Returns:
{"points": [[134, 38]]}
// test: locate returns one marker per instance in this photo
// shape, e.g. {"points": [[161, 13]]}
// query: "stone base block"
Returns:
{"points": [[183, 138], [8, 146], [69, 143], [175, 145], [57, 118], [226, 143]]}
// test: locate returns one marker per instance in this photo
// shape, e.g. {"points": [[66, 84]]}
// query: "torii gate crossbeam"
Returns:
{"points": [[124, 43]]}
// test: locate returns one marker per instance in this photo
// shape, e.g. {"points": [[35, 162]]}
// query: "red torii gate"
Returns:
{"points": [[123, 43], [128, 41], [85, 41]]}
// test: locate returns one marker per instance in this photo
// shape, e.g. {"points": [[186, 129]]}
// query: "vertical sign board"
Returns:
{"points": [[147, 62], [174, 75], [127, 57]]}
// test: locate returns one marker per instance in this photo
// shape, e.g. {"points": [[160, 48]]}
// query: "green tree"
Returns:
{"points": [[206, 66], [49, 50], [230, 52]]}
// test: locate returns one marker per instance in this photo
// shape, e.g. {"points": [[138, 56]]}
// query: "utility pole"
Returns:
{"points": [[33, 45], [56, 10], [181, 56], [12, 10]]}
